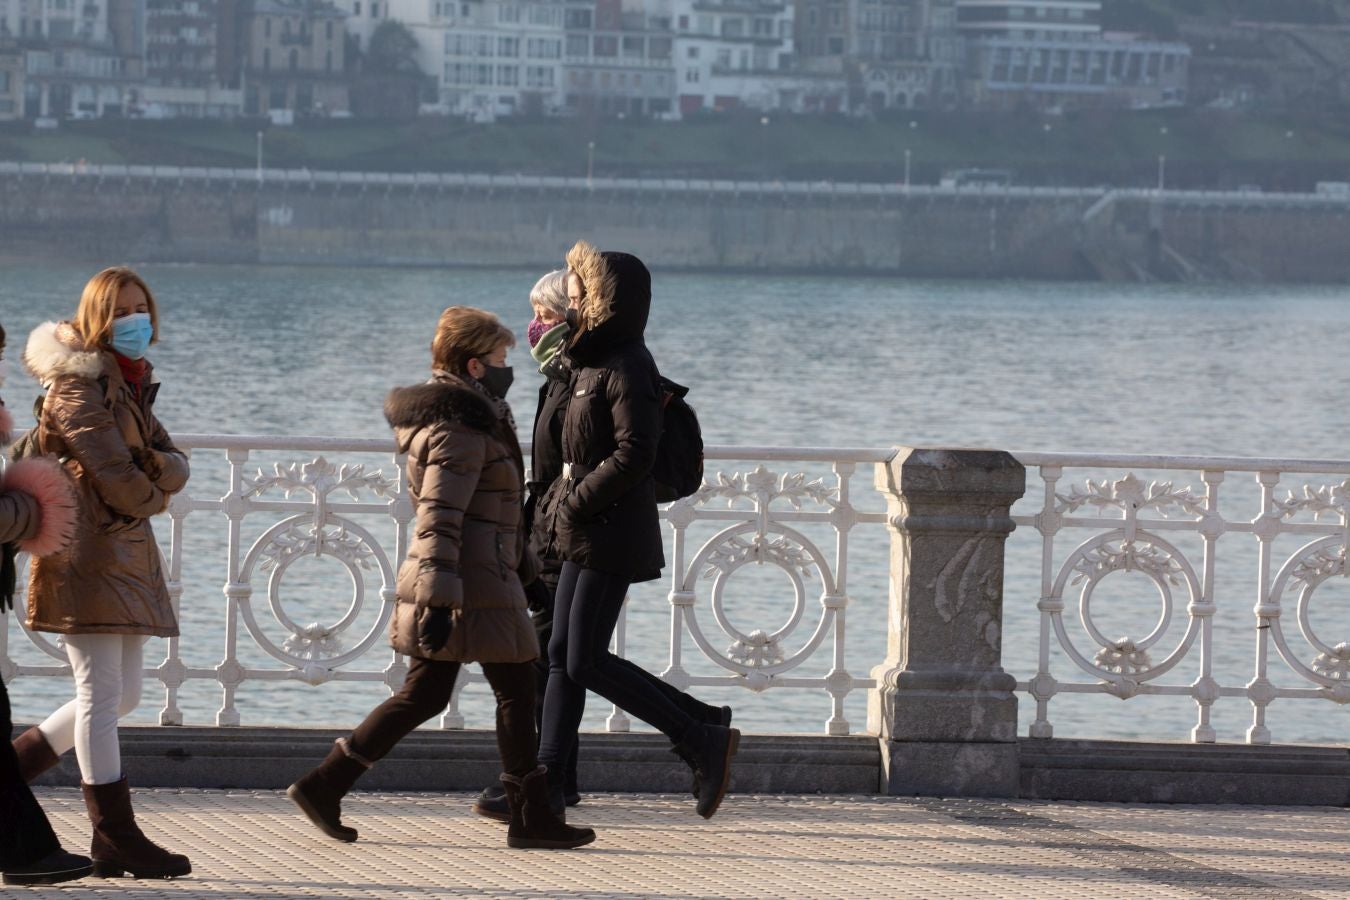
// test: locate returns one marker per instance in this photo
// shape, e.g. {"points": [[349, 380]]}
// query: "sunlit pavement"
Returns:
{"points": [[254, 844]]}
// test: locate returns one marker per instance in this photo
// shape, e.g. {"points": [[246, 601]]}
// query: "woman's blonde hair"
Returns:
{"points": [[94, 318], [464, 333], [550, 293]]}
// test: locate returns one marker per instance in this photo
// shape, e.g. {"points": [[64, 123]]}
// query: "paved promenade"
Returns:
{"points": [[252, 843]]}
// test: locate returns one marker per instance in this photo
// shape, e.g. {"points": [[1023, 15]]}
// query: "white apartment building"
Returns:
{"points": [[489, 57], [1030, 19], [81, 58], [83, 20], [733, 54]]}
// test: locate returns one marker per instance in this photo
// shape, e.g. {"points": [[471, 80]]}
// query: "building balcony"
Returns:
{"points": [[757, 7]]}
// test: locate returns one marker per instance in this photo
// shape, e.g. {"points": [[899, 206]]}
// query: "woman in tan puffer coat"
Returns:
{"points": [[107, 592], [459, 594]]}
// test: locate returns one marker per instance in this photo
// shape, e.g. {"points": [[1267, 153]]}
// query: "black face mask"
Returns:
{"points": [[497, 380], [572, 319]]}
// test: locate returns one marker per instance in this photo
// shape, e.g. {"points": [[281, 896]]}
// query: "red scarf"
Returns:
{"points": [[134, 372]]}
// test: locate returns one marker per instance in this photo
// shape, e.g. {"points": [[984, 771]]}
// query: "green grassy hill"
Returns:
{"points": [[1120, 148]]}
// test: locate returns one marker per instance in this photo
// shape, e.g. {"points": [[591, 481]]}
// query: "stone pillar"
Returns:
{"points": [[944, 709]]}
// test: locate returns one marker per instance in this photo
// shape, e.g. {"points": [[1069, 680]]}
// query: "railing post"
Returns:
{"points": [[944, 709]]}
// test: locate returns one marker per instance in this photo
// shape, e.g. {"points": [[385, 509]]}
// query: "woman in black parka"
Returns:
{"points": [[601, 520]]}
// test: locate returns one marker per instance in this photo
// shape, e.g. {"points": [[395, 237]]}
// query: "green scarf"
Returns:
{"points": [[549, 344]]}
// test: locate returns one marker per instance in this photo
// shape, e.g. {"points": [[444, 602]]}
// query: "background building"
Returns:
{"points": [[619, 58], [288, 55], [183, 66], [1053, 54]]}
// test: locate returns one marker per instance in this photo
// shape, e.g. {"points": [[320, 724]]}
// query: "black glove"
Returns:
{"points": [[538, 596], [9, 573], [433, 628]]}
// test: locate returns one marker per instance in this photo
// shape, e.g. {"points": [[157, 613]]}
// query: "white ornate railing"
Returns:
{"points": [[1291, 517], [283, 500], [1282, 528]]}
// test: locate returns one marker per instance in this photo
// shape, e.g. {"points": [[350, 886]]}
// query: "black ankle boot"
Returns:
{"points": [[54, 868], [534, 825], [492, 803], [319, 794], [708, 750]]}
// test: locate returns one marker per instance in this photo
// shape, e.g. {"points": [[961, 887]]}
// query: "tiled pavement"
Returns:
{"points": [[254, 844]]}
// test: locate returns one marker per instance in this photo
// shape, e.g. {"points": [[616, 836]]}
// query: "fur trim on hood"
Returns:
{"points": [[590, 266], [617, 303], [42, 478], [438, 401], [6, 425], [55, 349]]}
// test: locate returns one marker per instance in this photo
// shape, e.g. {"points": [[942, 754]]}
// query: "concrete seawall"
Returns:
{"points": [[1109, 771], [299, 218]]}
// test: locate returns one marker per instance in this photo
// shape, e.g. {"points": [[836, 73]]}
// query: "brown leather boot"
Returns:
{"points": [[534, 824], [35, 754], [119, 846], [319, 794]]}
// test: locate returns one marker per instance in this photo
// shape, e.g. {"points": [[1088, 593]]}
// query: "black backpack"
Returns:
{"points": [[678, 470]]}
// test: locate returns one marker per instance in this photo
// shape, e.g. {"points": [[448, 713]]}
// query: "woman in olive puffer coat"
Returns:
{"points": [[459, 594], [601, 518]]}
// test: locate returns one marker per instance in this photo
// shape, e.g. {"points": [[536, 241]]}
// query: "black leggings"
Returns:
{"points": [[426, 692], [25, 834], [586, 609]]}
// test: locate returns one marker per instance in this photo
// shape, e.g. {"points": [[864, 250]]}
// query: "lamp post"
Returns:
{"points": [[259, 156], [907, 160], [1162, 163], [590, 161]]}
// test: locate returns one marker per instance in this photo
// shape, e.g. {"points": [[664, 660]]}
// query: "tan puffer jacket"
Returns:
{"points": [[467, 550], [125, 468]]}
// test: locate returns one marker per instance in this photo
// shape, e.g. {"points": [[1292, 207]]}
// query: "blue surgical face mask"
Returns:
{"points": [[131, 335]]}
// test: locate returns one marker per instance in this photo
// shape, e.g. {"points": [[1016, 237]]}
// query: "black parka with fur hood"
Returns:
{"points": [[604, 516]]}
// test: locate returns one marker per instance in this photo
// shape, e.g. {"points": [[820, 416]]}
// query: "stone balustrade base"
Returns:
{"points": [[427, 760], [1030, 769], [1130, 772]]}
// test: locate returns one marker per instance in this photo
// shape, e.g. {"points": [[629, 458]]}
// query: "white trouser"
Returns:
{"points": [[108, 672]]}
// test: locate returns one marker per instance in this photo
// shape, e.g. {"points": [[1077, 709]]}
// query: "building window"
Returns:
{"points": [[684, 23], [633, 47], [508, 14], [692, 53], [483, 45], [508, 76], [356, 8], [328, 29], [542, 77], [267, 59], [606, 45], [578, 46], [508, 47], [328, 61], [578, 19], [295, 59], [267, 28], [836, 46]]}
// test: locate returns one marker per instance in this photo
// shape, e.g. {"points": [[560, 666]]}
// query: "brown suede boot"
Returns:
{"points": [[119, 846], [534, 825], [319, 794], [35, 754]]}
